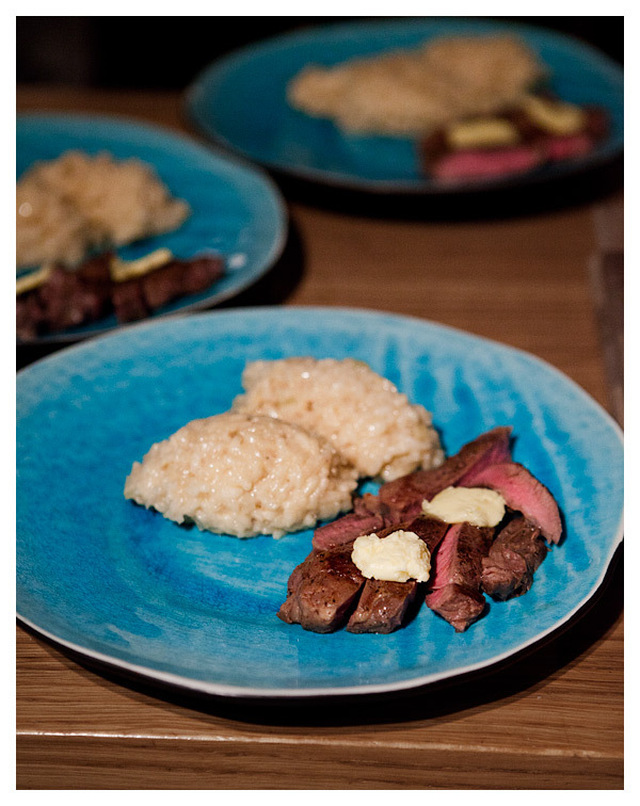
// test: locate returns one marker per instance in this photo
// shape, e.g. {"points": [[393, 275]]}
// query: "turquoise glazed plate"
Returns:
{"points": [[240, 102], [122, 585], [236, 210]]}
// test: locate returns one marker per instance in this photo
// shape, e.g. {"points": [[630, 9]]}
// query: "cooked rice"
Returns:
{"points": [[243, 475], [362, 414], [76, 203], [412, 92]]}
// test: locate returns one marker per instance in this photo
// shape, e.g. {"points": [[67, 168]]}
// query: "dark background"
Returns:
{"points": [[168, 52]]}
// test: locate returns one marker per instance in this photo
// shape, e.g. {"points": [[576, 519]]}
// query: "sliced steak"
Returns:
{"points": [[513, 558], [368, 516], [383, 604], [523, 493], [401, 500], [180, 277], [71, 298], [322, 590], [455, 592], [483, 163], [128, 300], [403, 497]]}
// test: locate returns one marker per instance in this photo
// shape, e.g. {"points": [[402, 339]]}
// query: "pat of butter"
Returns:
{"points": [[30, 281], [483, 133], [122, 270], [397, 558], [474, 505], [555, 117]]}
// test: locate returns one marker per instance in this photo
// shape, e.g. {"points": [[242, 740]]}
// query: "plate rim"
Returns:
{"points": [[210, 688], [208, 150], [418, 187]]}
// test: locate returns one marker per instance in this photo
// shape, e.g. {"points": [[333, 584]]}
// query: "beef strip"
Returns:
{"points": [[403, 497], [455, 592], [523, 493], [482, 163], [513, 558], [322, 590], [65, 300], [129, 303], [383, 604], [368, 516]]}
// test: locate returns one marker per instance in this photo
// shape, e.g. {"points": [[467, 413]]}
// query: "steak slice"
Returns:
{"points": [[368, 516], [178, 278], [383, 604], [68, 299], [455, 592], [513, 558], [523, 493], [481, 163], [403, 497], [322, 590]]}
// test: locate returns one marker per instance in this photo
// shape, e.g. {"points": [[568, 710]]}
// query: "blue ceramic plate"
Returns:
{"points": [[121, 584], [236, 210], [239, 101]]}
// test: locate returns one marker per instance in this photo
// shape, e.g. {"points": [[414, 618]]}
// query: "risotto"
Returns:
{"points": [[362, 414], [243, 475], [411, 92], [76, 203]]}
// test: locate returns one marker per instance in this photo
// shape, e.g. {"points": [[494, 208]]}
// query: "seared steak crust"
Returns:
{"points": [[513, 558], [322, 590], [382, 606]]}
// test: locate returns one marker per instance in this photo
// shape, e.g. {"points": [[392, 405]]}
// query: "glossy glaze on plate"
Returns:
{"points": [[122, 584], [236, 210], [240, 101]]}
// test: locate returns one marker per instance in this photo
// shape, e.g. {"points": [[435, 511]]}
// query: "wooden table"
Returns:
{"points": [[549, 282]]}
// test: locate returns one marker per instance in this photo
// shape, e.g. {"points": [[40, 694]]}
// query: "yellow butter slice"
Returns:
{"points": [[30, 281], [122, 270], [482, 133], [556, 117]]}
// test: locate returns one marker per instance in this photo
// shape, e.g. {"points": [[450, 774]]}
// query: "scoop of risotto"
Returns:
{"points": [[243, 475], [362, 414], [77, 202]]}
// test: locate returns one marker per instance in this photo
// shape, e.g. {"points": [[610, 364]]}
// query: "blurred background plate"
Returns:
{"points": [[236, 209], [123, 585], [239, 101]]}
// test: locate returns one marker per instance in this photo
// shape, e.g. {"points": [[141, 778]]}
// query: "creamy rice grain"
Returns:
{"points": [[362, 414], [243, 475]]}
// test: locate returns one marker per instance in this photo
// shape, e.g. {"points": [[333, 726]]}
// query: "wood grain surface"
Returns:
{"points": [[550, 719]]}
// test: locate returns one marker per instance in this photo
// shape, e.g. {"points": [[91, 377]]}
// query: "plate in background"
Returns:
{"points": [[239, 101], [121, 584], [237, 211]]}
